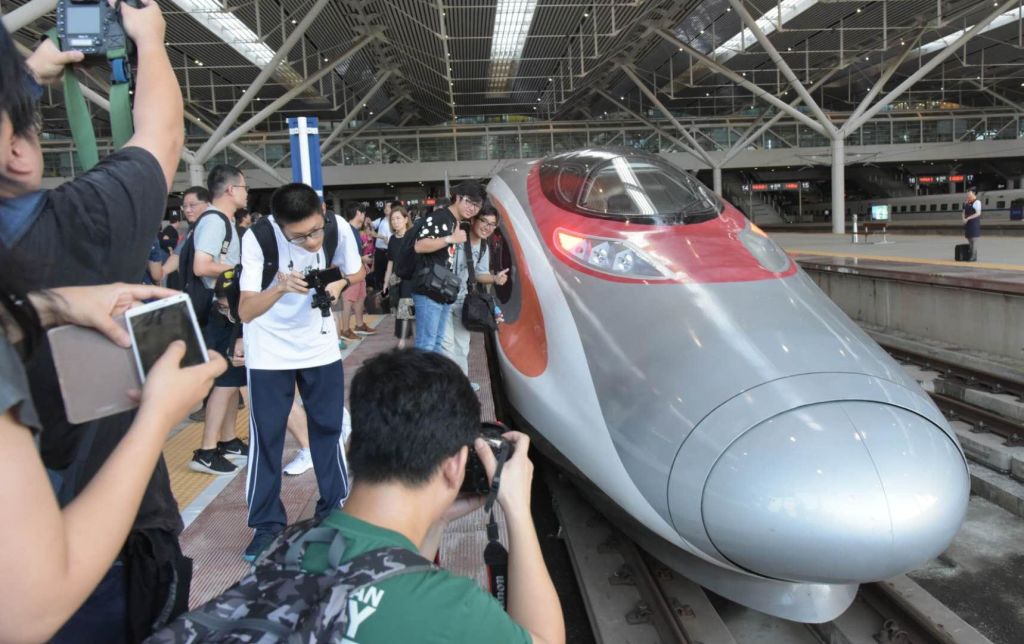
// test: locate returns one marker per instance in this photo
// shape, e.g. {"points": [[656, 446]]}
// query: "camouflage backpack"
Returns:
{"points": [[281, 602]]}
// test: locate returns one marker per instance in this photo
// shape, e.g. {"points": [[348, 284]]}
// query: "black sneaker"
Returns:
{"points": [[260, 540], [211, 461], [234, 448]]}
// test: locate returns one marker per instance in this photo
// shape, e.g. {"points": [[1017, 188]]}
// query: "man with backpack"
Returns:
{"points": [[437, 237], [291, 340], [212, 249], [364, 574]]}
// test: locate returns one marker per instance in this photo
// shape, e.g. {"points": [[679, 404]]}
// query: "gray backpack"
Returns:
{"points": [[280, 602]]}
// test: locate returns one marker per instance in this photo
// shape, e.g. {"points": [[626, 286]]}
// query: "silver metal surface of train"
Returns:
{"points": [[995, 206], [738, 424]]}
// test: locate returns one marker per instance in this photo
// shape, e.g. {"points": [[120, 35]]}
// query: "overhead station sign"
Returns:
{"points": [[926, 180], [777, 187]]}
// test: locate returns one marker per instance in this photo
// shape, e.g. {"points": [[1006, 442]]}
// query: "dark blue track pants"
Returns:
{"points": [[271, 393]]}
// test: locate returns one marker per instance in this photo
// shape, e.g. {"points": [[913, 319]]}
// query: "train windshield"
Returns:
{"points": [[627, 185]]}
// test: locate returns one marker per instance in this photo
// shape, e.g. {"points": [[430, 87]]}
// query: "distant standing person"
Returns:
{"points": [[972, 221]]}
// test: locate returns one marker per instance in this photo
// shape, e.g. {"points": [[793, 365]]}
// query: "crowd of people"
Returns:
{"points": [[93, 551]]}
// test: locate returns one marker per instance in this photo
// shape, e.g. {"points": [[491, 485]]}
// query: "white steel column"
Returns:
{"points": [[364, 126], [716, 179], [245, 154], [781, 64], [206, 150], [929, 66], [838, 185], [878, 87], [664, 110], [744, 83], [27, 13], [340, 127], [262, 115], [683, 144], [196, 174]]}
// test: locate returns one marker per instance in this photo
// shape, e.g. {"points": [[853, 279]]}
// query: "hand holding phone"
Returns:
{"points": [[173, 390], [154, 326]]}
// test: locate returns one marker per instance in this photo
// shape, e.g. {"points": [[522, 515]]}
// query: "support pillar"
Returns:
{"points": [[716, 179], [838, 185], [196, 174], [336, 201], [952, 187]]}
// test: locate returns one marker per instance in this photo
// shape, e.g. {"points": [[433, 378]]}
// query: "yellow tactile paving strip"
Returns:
{"points": [[908, 260], [186, 484]]}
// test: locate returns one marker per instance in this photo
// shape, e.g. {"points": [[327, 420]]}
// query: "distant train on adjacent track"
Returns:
{"points": [[994, 204]]}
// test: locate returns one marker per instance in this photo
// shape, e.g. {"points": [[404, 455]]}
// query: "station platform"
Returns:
{"points": [[214, 509]]}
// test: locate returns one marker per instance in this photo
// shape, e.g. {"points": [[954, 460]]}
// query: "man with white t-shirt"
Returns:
{"points": [[289, 343]]}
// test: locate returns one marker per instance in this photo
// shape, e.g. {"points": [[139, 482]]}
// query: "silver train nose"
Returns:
{"points": [[836, 492]]}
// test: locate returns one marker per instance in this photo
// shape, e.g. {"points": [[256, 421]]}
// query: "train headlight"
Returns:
{"points": [[616, 257], [764, 250]]}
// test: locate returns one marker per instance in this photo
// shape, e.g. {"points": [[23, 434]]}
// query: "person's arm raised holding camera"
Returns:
{"points": [[532, 600], [159, 111]]}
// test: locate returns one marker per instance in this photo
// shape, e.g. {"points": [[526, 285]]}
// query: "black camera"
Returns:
{"points": [[92, 27], [476, 476], [318, 279]]}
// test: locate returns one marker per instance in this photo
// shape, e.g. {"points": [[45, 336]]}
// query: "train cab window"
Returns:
{"points": [[627, 185]]}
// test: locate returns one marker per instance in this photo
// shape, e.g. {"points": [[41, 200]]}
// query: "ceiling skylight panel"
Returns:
{"points": [[226, 26], [942, 43], [778, 15], [512, 20]]}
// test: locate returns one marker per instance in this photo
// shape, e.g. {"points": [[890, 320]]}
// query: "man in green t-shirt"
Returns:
{"points": [[414, 420]]}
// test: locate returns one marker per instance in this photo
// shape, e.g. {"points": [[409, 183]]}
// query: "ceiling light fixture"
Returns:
{"points": [[512, 20]]}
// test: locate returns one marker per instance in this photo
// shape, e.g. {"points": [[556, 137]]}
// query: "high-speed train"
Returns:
{"points": [[727, 414]]}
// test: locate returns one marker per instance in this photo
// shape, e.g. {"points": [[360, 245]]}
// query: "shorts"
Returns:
{"points": [[220, 335], [355, 293]]}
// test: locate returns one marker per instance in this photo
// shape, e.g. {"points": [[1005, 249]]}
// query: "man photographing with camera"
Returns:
{"points": [[291, 339], [414, 420]]}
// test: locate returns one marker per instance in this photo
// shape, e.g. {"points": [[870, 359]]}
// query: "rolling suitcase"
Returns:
{"points": [[963, 253]]}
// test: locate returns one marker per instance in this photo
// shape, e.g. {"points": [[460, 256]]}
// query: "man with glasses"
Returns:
{"points": [[289, 343], [440, 237], [456, 338], [217, 249]]}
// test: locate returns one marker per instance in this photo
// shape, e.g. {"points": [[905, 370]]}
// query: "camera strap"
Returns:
{"points": [[495, 554], [82, 130]]}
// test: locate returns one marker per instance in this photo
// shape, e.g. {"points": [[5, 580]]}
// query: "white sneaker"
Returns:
{"points": [[302, 462]]}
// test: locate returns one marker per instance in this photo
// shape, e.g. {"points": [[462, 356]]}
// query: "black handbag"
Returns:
{"points": [[478, 307], [437, 282]]}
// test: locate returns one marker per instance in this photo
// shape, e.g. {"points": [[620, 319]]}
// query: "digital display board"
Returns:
{"points": [[880, 213]]}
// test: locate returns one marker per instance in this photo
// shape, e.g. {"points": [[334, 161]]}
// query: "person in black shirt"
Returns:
{"points": [[440, 236], [97, 229]]}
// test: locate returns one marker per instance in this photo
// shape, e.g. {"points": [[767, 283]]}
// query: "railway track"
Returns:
{"points": [[977, 416], [631, 597]]}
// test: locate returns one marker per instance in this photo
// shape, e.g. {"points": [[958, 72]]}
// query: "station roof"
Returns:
{"points": [[473, 60]]}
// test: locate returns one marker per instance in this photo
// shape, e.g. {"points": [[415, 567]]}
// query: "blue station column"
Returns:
{"points": [[304, 137]]}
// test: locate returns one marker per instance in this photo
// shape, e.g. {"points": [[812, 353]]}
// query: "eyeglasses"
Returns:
{"points": [[311, 235], [474, 204], [242, 186], [487, 224]]}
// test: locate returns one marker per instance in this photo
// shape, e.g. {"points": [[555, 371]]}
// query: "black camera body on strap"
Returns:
{"points": [[92, 27], [476, 476], [318, 279]]}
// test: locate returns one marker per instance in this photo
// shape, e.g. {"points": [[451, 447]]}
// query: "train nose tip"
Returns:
{"points": [[837, 492]]}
